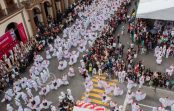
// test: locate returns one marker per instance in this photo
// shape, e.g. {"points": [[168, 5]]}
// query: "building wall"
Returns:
{"points": [[23, 16], [17, 19]]}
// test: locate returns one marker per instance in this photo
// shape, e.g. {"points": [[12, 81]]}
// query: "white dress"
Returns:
{"points": [[65, 80], [139, 95], [9, 108], [159, 59], [166, 102], [131, 84], [45, 104], [117, 91], [71, 72], [48, 56], [129, 98], [135, 107], [108, 89]]}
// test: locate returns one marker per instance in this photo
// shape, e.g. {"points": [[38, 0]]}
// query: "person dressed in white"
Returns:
{"points": [[45, 90], [51, 49], [54, 52], [101, 83], [130, 84], [86, 99], [172, 107], [69, 95], [65, 80], [135, 107], [43, 77], [29, 93], [24, 97], [55, 84], [108, 89], [67, 54], [119, 76], [166, 102], [114, 106], [88, 86], [8, 95], [34, 85], [81, 48], [9, 108], [159, 59], [62, 65], [45, 104], [105, 98], [62, 96], [71, 72], [141, 81], [168, 52], [139, 95], [94, 71], [48, 55], [129, 97], [73, 58], [117, 91], [123, 75], [38, 81], [20, 108], [53, 108], [170, 70]]}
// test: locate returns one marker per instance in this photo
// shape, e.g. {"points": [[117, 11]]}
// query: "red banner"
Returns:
{"points": [[22, 33], [5, 43]]}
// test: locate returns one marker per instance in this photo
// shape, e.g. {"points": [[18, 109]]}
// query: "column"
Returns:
{"points": [[53, 3], [62, 5], [69, 2], [43, 13], [31, 20]]}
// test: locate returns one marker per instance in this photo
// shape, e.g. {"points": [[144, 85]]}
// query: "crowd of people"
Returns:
{"points": [[92, 24], [16, 62]]}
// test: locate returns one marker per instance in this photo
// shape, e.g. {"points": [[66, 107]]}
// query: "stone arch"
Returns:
{"points": [[36, 15], [13, 29]]}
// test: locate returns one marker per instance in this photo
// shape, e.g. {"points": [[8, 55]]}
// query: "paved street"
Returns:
{"points": [[77, 82]]}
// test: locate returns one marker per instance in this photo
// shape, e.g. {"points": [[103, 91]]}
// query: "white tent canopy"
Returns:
{"points": [[156, 9]]}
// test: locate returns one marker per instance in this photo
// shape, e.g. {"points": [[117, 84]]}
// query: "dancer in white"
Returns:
{"points": [[131, 84], [9, 108], [135, 107], [45, 104], [62, 65], [139, 95], [117, 91], [105, 98], [129, 97], [48, 55], [141, 81], [86, 98], [29, 92], [65, 80], [108, 89], [69, 95], [71, 72], [166, 102]]}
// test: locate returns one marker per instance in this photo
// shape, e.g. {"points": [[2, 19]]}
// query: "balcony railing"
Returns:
{"points": [[12, 8], [2, 13], [9, 11]]}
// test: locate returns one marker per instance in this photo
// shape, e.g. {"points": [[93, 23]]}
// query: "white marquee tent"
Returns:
{"points": [[156, 9]]}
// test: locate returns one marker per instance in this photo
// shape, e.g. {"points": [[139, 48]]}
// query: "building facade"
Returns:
{"points": [[29, 13]]}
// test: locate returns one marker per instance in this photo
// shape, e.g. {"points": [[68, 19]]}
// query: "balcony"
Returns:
{"points": [[28, 3], [9, 11], [12, 8], [2, 13]]}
